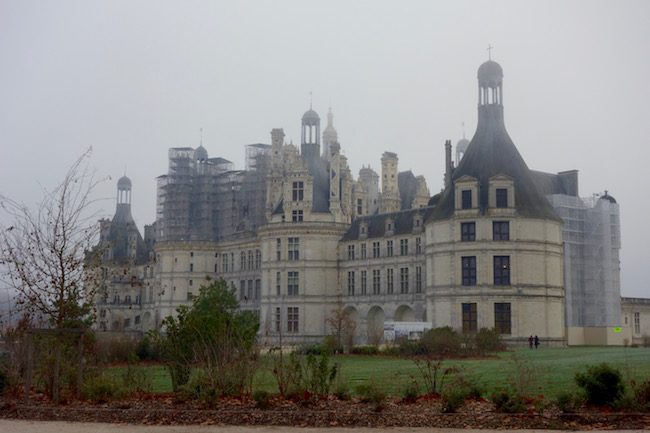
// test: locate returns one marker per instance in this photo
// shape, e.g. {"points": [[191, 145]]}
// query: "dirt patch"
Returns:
{"points": [[156, 409]]}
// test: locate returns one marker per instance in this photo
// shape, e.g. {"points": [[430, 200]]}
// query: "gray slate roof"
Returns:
{"points": [[491, 152], [402, 220]]}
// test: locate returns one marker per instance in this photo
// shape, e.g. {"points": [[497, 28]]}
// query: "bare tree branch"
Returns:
{"points": [[45, 252]]}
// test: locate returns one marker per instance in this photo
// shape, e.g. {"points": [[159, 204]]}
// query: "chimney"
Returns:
{"points": [[449, 167]]}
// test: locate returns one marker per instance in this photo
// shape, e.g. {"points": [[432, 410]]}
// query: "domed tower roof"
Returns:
{"points": [[200, 154], [310, 116], [462, 144], [490, 72], [491, 152], [124, 183]]}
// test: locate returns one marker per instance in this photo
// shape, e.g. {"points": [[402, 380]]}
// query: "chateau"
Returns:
{"points": [[298, 238]]}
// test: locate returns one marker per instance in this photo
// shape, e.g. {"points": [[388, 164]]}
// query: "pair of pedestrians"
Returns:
{"points": [[533, 341]]}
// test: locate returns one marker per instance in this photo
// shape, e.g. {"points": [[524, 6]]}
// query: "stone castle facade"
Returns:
{"points": [[298, 238]]}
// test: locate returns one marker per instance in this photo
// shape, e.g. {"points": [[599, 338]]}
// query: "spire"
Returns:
{"points": [[330, 136]]}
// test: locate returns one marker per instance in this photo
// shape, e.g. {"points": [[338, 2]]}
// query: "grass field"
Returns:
{"points": [[553, 369]]}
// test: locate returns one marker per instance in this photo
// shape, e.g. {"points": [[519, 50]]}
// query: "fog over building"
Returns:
{"points": [[297, 237]]}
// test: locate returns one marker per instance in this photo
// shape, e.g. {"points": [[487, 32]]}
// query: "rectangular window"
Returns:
{"points": [[296, 216], [418, 279], [350, 283], [242, 290], [389, 248], [501, 270], [191, 267], [469, 318], [418, 245], [250, 260], [466, 199], [258, 289], [389, 281], [278, 249], [278, 319], [502, 197], [224, 264], [350, 252], [258, 259], [376, 282], [404, 280], [278, 283], [363, 251], [191, 282], [364, 282], [502, 318], [293, 246], [375, 250], [250, 290], [469, 270], [637, 323], [190, 296], [215, 268], [500, 230], [292, 319], [242, 261], [298, 191], [468, 231], [403, 247], [359, 206], [292, 283]]}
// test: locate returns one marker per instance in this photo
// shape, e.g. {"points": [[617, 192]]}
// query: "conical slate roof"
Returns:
{"points": [[491, 152]]}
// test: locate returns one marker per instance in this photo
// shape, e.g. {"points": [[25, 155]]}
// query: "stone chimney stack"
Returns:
{"points": [[449, 165]]}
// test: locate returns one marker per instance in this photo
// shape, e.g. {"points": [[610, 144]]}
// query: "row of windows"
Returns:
{"points": [[248, 260], [501, 266], [501, 198], [500, 231], [502, 317], [293, 319], [404, 281], [389, 252], [248, 292]]}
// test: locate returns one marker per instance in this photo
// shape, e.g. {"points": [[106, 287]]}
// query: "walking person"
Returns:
{"points": [[536, 341], [530, 341]]}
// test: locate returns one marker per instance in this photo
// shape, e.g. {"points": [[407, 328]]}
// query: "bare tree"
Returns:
{"points": [[343, 327], [44, 252]]}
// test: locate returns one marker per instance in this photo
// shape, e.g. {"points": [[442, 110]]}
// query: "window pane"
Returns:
{"points": [[501, 270], [502, 197], [467, 199]]}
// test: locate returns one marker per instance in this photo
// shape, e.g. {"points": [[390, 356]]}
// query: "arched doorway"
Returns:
{"points": [[376, 318], [404, 313]]}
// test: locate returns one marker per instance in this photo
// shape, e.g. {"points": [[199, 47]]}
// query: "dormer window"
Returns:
{"points": [[466, 200], [502, 197]]}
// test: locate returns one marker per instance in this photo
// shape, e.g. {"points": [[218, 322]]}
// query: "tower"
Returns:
{"points": [[123, 207], [310, 137], [330, 136], [390, 201]]}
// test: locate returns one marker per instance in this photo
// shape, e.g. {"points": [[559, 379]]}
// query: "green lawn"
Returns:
{"points": [[552, 369]]}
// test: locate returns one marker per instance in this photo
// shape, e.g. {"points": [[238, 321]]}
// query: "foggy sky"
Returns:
{"points": [[134, 78]]}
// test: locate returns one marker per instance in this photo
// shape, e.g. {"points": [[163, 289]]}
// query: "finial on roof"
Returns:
{"points": [[489, 50], [201, 137], [463, 125], [310, 99]]}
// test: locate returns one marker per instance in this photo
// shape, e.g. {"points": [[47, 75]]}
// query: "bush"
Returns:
{"points": [[411, 391], [568, 401], [364, 350], [507, 401], [453, 399], [642, 394], [602, 384], [488, 340], [371, 393], [441, 341], [214, 336], [342, 390], [102, 388], [262, 399], [434, 374], [4, 379]]}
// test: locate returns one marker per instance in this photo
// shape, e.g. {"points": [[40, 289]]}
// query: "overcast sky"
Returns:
{"points": [[134, 78]]}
